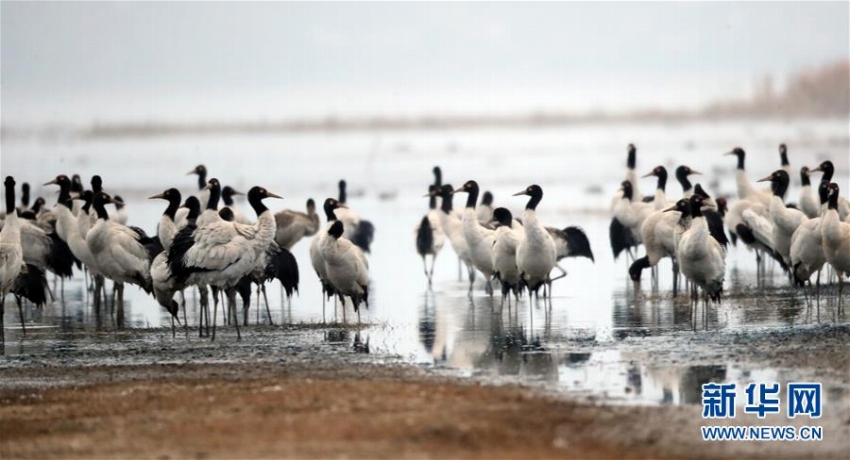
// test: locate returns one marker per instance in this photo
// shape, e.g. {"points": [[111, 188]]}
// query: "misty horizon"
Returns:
{"points": [[83, 63]]}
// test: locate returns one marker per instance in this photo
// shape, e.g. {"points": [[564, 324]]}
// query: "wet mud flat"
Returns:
{"points": [[314, 392]]}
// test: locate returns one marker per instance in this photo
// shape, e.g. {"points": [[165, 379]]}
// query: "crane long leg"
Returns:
{"points": [[231, 299], [215, 313], [21, 312], [266, 300], [2, 325]]}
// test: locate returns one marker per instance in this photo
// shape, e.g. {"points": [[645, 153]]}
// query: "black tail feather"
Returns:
{"points": [[60, 260], [577, 243], [621, 237], [31, 284], [424, 237], [283, 267]]}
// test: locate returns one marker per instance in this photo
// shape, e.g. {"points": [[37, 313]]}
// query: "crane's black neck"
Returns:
{"points": [[682, 177], [65, 193], [804, 177], [76, 184], [783, 154], [446, 199], [96, 184], [779, 185], [823, 192], [99, 207], [173, 204], [473, 196], [9, 184], [255, 199], [536, 196], [329, 210], [202, 178], [438, 176], [662, 179], [432, 200], [194, 207], [215, 195], [833, 200], [88, 197], [696, 206], [342, 194], [828, 171], [741, 156], [227, 196], [631, 162], [25, 195]]}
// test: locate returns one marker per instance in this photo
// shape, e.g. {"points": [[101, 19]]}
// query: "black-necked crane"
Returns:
{"points": [[536, 253], [622, 238], [828, 170], [746, 190], [453, 228], [167, 228], [785, 220], [479, 239], [11, 254], [317, 261], [220, 253], [122, 254], [25, 197], [429, 234], [360, 231], [836, 239], [509, 234], [659, 199], [347, 267], [807, 254], [630, 212], [292, 226], [701, 257], [682, 173]]}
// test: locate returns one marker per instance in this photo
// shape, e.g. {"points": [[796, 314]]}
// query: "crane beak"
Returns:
{"points": [[766, 179], [240, 193], [815, 170], [731, 152], [114, 201], [161, 195], [457, 190], [268, 195], [649, 174], [671, 208], [520, 193], [191, 172], [50, 183], [695, 173]]}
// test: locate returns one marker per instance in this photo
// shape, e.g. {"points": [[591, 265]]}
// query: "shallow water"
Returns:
{"points": [[570, 348]]}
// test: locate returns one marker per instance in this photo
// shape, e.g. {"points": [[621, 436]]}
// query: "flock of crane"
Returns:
{"points": [[801, 238], [220, 250], [197, 244]]}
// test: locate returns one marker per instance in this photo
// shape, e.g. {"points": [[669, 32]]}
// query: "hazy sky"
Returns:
{"points": [[201, 60]]}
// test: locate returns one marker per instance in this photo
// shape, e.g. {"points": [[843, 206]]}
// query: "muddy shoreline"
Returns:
{"points": [[300, 395]]}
